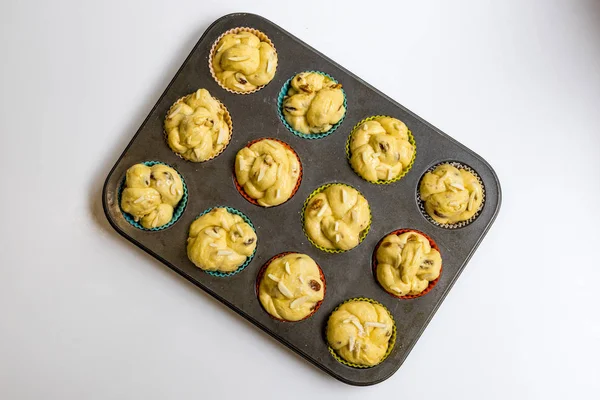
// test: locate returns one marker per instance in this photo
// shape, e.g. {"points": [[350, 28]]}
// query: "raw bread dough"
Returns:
{"points": [[406, 263], [242, 62], [291, 287], [335, 217], [220, 241], [151, 194], [267, 171], [196, 127], [360, 332], [380, 149], [314, 103]]}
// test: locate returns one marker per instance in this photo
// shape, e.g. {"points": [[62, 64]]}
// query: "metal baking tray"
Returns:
{"points": [[279, 229]]}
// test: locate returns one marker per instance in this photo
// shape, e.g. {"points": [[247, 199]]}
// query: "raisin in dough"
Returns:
{"points": [[335, 217], [406, 263], [196, 127], [220, 241], [380, 149], [267, 171], [450, 194], [242, 62], [291, 287], [360, 332], [151, 194], [314, 103]]}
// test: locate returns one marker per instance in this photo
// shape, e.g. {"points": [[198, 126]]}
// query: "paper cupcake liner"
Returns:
{"points": [[261, 273], [391, 344], [460, 224], [177, 211], [362, 235], [431, 283], [226, 117], [213, 50], [249, 259], [245, 195], [283, 93], [411, 140]]}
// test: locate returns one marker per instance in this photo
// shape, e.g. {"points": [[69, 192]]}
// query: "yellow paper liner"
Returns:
{"points": [[213, 50], [245, 195], [363, 233], [261, 273], [411, 140], [460, 224], [226, 117], [431, 283], [391, 343]]}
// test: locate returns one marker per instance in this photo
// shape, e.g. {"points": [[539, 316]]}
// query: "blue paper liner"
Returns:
{"points": [[177, 212], [249, 259], [282, 95]]}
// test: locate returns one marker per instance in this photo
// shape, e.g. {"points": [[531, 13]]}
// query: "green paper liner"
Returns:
{"points": [[411, 140], [283, 94], [245, 195], [213, 50], [460, 224], [219, 274], [431, 285], [363, 233], [391, 343], [226, 117], [261, 273], [177, 210]]}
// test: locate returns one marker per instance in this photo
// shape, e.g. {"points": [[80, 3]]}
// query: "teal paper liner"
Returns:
{"points": [[282, 95], [249, 259], [177, 212]]}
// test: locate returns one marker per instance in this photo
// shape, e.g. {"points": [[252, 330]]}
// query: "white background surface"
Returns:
{"points": [[86, 315]]}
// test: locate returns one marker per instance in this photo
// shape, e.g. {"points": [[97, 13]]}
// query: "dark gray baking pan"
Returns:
{"points": [[279, 228]]}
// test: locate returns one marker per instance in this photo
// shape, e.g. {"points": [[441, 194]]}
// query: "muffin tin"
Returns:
{"points": [[279, 229]]}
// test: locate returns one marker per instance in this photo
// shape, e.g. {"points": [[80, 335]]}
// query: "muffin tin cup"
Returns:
{"points": [[411, 140], [391, 344], [226, 117], [460, 224], [213, 50], [431, 285], [363, 233], [261, 274], [248, 260], [245, 195], [283, 94], [177, 211]]}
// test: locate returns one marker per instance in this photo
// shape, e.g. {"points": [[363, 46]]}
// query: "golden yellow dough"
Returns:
{"points": [[450, 194], [268, 172], [314, 103], [335, 217], [291, 287], [360, 332], [406, 263], [151, 194], [242, 62], [196, 127], [380, 149], [220, 241]]}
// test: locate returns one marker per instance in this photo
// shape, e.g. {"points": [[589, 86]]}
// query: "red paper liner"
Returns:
{"points": [[431, 284], [261, 273], [245, 195]]}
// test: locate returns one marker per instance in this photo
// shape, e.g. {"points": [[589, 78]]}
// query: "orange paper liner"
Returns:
{"points": [[226, 117], [431, 283], [213, 50], [245, 195], [261, 273]]}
